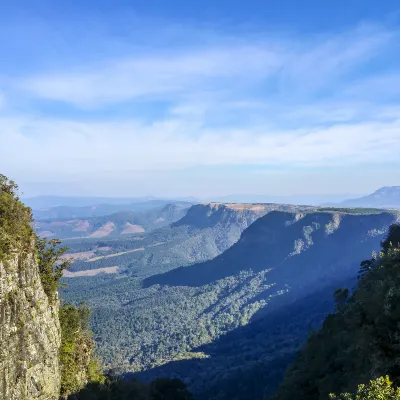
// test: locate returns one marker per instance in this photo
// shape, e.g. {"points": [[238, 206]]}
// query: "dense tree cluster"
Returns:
{"points": [[378, 389], [360, 341], [114, 388], [78, 365]]}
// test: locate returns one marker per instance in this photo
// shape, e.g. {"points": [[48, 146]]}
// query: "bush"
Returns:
{"points": [[380, 388], [78, 366], [16, 233]]}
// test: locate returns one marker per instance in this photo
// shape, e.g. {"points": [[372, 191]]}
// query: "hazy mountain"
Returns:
{"points": [[97, 210], [118, 224], [294, 199], [39, 202], [385, 197]]}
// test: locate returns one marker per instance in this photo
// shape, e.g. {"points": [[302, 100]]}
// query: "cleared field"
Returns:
{"points": [[132, 228], [105, 230], [114, 255], [91, 272]]}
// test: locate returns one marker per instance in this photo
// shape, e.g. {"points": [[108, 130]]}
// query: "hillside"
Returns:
{"points": [[175, 324], [282, 241], [385, 197], [118, 224], [203, 233], [358, 342]]}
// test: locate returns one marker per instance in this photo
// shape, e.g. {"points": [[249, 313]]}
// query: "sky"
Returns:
{"points": [[200, 98]]}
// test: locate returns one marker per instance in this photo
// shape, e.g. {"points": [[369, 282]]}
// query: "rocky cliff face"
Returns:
{"points": [[29, 333]]}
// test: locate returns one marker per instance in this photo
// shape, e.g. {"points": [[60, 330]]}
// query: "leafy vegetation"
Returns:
{"points": [[360, 341], [78, 366], [378, 389], [115, 388], [51, 265], [16, 233]]}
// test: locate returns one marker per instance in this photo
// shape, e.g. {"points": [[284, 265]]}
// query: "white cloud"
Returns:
{"points": [[53, 147]]}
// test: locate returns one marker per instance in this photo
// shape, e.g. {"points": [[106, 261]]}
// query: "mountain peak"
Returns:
{"points": [[384, 197]]}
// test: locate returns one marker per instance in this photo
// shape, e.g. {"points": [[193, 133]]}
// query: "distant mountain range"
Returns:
{"points": [[124, 223], [72, 212], [294, 199], [46, 202], [46, 207], [385, 197]]}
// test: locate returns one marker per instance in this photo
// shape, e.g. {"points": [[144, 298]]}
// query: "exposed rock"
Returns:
{"points": [[29, 333]]}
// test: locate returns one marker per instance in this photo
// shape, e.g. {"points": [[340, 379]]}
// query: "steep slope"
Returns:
{"points": [[284, 242], [119, 224], [385, 197], [360, 341], [30, 334]]}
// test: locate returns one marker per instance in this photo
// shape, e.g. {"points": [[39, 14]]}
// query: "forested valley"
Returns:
{"points": [[230, 325]]}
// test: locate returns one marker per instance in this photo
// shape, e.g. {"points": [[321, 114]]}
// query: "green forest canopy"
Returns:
{"points": [[360, 342]]}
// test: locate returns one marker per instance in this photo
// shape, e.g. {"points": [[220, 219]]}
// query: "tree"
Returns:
{"points": [[359, 341], [169, 389], [78, 366], [392, 239], [378, 389], [16, 233], [51, 264]]}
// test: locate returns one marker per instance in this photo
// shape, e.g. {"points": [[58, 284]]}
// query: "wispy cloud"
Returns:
{"points": [[288, 65], [166, 75]]}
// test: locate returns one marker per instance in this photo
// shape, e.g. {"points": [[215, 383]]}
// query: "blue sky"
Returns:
{"points": [[200, 98]]}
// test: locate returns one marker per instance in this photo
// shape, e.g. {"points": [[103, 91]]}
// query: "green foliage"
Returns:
{"points": [[16, 233], [115, 388], [378, 389], [392, 239], [51, 265], [78, 366], [360, 341], [168, 389]]}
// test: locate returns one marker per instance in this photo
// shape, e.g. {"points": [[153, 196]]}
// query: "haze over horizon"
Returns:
{"points": [[200, 98]]}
